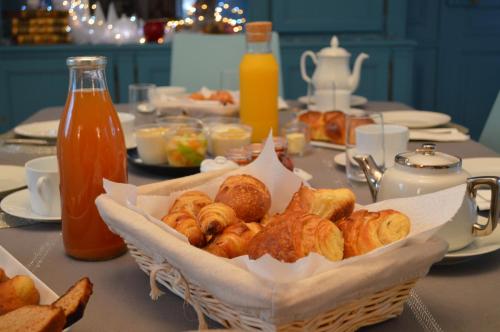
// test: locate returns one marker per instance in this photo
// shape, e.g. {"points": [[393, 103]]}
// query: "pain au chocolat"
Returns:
{"points": [[365, 231]]}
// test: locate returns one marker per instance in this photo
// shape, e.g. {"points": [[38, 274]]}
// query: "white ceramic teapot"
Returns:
{"points": [[332, 68], [425, 171]]}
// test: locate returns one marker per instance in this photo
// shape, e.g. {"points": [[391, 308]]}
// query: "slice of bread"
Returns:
{"points": [[74, 301], [33, 318]]}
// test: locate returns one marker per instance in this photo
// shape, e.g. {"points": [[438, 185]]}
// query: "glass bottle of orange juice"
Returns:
{"points": [[259, 82], [90, 147]]}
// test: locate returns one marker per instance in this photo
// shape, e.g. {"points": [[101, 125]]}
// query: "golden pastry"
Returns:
{"points": [[248, 196], [365, 231], [191, 202], [233, 241], [213, 218], [186, 224], [332, 204], [296, 236]]}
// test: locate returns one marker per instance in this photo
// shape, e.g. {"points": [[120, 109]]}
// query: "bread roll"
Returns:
{"points": [[332, 204], [191, 202], [296, 236], [248, 196], [213, 218], [233, 241], [186, 224], [365, 231], [330, 126], [17, 292]]}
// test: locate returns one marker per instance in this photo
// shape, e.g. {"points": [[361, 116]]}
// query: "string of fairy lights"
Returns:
{"points": [[223, 13], [87, 23]]}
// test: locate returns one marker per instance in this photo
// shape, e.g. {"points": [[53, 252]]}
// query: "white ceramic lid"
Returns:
{"points": [[334, 50], [428, 157]]}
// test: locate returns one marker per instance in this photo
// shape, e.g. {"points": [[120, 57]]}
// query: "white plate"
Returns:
{"points": [[416, 119], [340, 159], [11, 177], [13, 267], [18, 205], [43, 129], [48, 130], [355, 100], [480, 246], [327, 145]]}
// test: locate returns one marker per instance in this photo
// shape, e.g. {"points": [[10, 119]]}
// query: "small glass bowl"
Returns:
{"points": [[298, 136], [242, 156], [151, 143], [280, 144], [223, 137], [185, 146]]}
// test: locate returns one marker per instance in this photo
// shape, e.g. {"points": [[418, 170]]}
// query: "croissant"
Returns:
{"points": [[233, 241], [296, 236], [332, 204], [364, 231], [191, 202], [186, 224], [248, 196], [213, 218]]}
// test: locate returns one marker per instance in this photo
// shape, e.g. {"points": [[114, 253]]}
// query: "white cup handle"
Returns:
{"points": [[41, 184], [303, 58]]}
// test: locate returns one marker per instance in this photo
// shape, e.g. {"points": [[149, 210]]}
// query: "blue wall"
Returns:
{"points": [[440, 55]]}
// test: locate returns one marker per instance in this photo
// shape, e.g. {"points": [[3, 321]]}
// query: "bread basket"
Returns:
{"points": [[331, 300]]}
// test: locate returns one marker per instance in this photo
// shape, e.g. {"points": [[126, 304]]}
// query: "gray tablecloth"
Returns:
{"points": [[461, 297]]}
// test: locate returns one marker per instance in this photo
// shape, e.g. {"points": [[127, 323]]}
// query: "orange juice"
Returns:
{"points": [[259, 82], [259, 94], [90, 147]]}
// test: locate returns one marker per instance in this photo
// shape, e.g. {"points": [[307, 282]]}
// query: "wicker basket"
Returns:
{"points": [[382, 303], [350, 316]]}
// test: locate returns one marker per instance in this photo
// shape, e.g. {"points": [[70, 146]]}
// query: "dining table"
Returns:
{"points": [[454, 296]]}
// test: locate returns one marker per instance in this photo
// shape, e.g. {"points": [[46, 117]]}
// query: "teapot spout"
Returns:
{"points": [[356, 72], [372, 172]]}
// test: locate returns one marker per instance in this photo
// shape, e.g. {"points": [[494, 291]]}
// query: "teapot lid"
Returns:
{"points": [[334, 50], [427, 157]]}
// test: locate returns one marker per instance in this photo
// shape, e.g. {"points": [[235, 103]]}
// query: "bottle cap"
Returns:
{"points": [[86, 61], [259, 31]]}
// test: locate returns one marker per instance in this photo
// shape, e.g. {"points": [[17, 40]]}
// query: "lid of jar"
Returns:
{"points": [[219, 162], [258, 31], [86, 61], [334, 50], [427, 157]]}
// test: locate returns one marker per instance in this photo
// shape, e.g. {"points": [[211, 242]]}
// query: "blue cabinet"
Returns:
{"points": [[376, 27], [328, 15], [33, 77], [457, 60]]}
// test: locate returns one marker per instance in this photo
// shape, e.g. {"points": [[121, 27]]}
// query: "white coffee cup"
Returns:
{"points": [[396, 139], [370, 140], [42, 176]]}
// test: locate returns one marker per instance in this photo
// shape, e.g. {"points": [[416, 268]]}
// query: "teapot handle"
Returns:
{"points": [[303, 59], [493, 182]]}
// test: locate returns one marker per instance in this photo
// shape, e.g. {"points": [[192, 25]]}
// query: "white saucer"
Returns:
{"points": [[480, 246], [416, 119], [43, 129], [328, 145], [355, 100], [11, 177], [340, 159], [18, 205]]}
